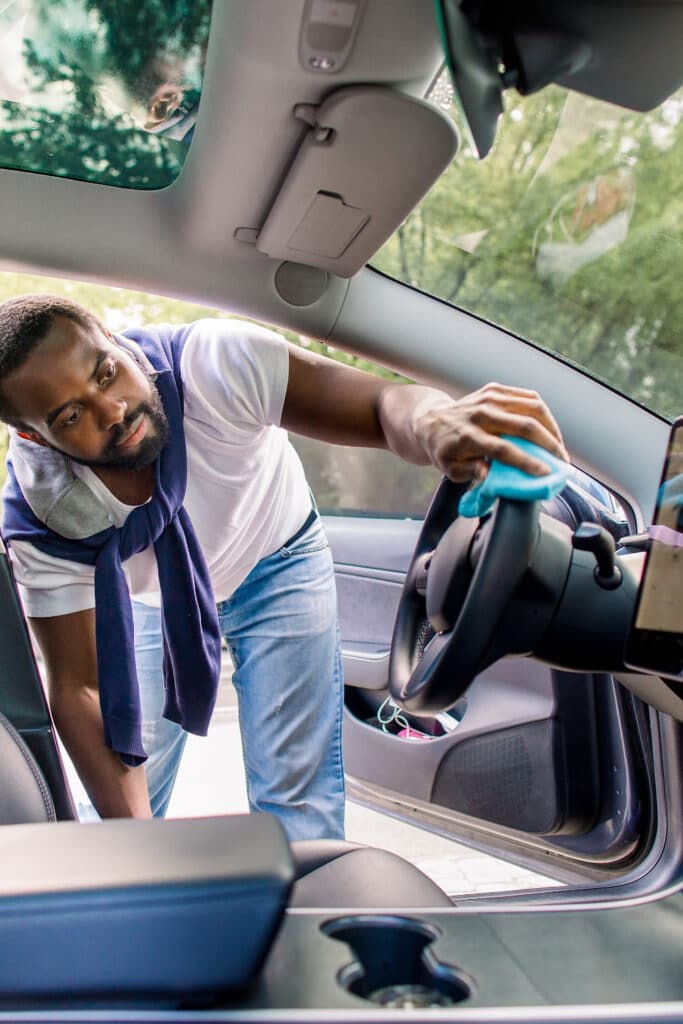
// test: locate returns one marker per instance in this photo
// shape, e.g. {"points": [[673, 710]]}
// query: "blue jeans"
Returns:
{"points": [[281, 628]]}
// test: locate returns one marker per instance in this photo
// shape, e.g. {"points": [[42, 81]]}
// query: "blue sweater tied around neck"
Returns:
{"points": [[191, 634]]}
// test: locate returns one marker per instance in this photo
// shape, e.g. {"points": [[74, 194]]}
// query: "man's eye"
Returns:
{"points": [[72, 418], [109, 374]]}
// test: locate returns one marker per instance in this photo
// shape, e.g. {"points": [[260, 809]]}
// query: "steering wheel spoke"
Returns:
{"points": [[420, 575], [412, 698]]}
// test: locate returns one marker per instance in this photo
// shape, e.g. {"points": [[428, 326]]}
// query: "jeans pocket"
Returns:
{"points": [[313, 539]]}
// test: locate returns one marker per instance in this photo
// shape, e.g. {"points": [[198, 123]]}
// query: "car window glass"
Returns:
{"points": [[569, 234], [364, 481], [101, 90]]}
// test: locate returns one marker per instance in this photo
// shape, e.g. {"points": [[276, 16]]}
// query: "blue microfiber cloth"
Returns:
{"points": [[503, 481]]}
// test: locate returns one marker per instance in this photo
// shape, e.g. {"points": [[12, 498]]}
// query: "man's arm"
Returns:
{"points": [[67, 643], [338, 403]]}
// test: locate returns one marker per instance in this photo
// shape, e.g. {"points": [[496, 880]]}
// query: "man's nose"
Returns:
{"points": [[112, 411]]}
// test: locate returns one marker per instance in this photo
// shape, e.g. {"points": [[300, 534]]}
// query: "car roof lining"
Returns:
{"points": [[253, 81]]}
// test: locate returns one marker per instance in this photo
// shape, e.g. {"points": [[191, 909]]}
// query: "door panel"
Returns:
{"points": [[527, 747]]}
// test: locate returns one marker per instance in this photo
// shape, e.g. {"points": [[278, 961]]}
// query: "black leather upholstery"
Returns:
{"points": [[334, 873], [22, 698], [139, 910], [24, 795], [328, 873]]}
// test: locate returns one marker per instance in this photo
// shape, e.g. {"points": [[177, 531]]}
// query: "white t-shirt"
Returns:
{"points": [[246, 488]]}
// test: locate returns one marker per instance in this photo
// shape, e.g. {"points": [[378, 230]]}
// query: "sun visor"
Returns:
{"points": [[369, 157]]}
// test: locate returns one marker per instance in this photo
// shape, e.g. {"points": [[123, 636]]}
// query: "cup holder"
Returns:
{"points": [[393, 963]]}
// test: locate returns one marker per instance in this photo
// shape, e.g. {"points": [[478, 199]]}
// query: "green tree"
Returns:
{"points": [[77, 55], [591, 188]]}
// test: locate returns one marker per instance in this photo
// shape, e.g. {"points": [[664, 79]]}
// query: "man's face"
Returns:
{"points": [[81, 393]]}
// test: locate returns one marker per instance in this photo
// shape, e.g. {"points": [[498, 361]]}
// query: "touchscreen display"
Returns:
{"points": [[656, 640]]}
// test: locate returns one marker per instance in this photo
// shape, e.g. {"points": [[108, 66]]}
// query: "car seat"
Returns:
{"points": [[33, 788], [328, 873]]}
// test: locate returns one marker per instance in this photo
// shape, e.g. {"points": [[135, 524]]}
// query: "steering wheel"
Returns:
{"points": [[462, 577]]}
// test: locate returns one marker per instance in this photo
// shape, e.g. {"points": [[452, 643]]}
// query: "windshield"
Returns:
{"points": [[101, 90], [569, 234]]}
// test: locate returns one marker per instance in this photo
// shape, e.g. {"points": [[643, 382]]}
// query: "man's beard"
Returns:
{"points": [[147, 450]]}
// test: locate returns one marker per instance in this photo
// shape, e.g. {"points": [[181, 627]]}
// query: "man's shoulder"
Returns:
{"points": [[236, 367], [228, 328], [220, 343]]}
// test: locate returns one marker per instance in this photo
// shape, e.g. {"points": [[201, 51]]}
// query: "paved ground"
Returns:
{"points": [[211, 781]]}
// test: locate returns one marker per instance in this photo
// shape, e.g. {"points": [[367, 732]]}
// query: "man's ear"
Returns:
{"points": [[31, 435]]}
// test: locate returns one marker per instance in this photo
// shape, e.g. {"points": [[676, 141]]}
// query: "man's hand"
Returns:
{"points": [[460, 438]]}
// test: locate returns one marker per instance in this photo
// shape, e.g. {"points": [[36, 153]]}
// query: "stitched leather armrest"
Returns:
{"points": [[139, 909]]}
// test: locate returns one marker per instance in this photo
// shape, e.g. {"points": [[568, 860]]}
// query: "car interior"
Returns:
{"points": [[264, 159]]}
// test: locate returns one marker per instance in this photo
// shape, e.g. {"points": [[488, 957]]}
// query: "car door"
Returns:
{"points": [[543, 760], [556, 767]]}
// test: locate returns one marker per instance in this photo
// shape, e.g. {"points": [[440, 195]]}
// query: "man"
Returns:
{"points": [[164, 448]]}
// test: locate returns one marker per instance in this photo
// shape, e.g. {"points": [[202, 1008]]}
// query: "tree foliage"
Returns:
{"points": [[569, 234], [90, 71]]}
